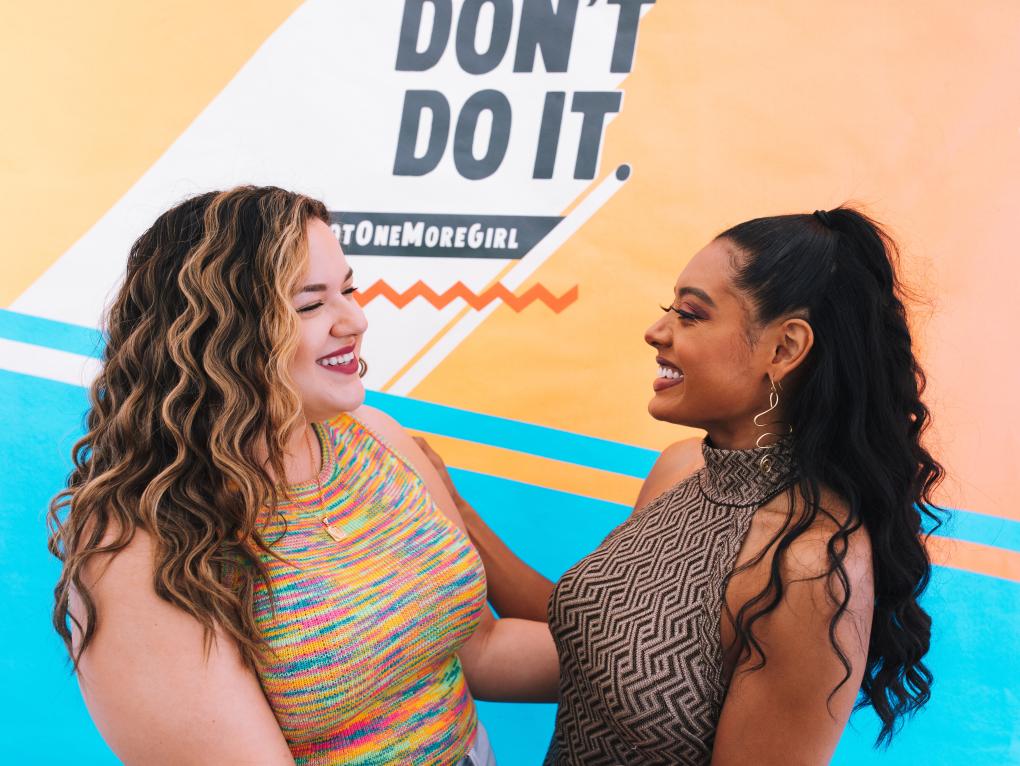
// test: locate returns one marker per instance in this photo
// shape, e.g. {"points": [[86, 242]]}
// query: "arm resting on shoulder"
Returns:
{"points": [[506, 659], [515, 589]]}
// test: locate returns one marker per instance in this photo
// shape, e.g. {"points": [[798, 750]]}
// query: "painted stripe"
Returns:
{"points": [[505, 433], [974, 557], [62, 336], [521, 270], [516, 435], [67, 353], [48, 363], [983, 529], [441, 334], [536, 471]]}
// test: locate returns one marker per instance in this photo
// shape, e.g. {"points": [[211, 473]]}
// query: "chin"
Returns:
{"points": [[352, 399], [336, 405], [661, 410]]}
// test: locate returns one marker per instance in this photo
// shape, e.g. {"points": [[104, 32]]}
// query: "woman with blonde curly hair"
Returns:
{"points": [[256, 567]]}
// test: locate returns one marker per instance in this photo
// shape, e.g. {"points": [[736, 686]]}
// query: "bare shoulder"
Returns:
{"points": [[795, 688], [376, 419], [810, 556], [149, 674], [122, 575], [121, 583], [675, 463]]}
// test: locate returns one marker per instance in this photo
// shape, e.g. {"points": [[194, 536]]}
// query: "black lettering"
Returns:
{"points": [[626, 33], [471, 60], [552, 31], [469, 166], [549, 134], [415, 102], [594, 105], [409, 58]]}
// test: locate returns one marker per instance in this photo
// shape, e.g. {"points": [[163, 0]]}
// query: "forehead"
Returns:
{"points": [[711, 269], [324, 253]]}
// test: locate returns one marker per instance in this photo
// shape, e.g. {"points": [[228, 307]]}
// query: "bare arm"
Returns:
{"points": [[677, 461], [781, 715], [507, 659], [515, 589], [154, 695]]}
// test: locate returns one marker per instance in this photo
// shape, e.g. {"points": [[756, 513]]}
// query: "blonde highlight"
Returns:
{"points": [[194, 378]]}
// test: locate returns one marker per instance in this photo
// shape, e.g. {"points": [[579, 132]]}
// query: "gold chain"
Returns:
{"points": [[333, 530]]}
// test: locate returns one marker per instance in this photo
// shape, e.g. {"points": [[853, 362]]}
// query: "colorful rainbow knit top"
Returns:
{"points": [[361, 666]]}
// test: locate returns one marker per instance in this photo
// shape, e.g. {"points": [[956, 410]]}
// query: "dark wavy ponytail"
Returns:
{"points": [[857, 420]]}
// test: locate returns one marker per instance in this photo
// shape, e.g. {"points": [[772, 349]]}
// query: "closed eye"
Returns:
{"points": [[312, 306], [681, 313]]}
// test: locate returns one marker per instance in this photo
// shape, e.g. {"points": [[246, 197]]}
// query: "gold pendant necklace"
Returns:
{"points": [[333, 530]]}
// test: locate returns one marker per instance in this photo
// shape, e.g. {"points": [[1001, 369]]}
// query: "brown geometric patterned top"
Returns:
{"points": [[636, 622]]}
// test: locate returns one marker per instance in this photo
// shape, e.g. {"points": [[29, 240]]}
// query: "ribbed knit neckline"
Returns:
{"points": [[737, 477], [327, 458]]}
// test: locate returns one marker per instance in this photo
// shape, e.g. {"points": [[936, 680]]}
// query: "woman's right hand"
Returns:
{"points": [[515, 588]]}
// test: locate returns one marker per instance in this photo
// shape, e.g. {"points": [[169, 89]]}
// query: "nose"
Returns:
{"points": [[658, 334], [350, 320]]}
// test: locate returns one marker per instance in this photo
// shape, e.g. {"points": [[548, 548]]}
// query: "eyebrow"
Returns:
{"points": [[697, 292], [319, 287]]}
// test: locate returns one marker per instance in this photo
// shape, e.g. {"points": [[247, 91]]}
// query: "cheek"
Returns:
{"points": [[310, 339], [307, 351], [718, 364]]}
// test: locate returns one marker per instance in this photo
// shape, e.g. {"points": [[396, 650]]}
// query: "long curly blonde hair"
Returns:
{"points": [[193, 393]]}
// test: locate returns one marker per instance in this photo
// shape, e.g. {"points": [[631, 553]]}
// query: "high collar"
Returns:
{"points": [[738, 477]]}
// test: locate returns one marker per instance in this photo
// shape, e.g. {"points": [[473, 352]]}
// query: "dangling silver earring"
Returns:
{"points": [[767, 460]]}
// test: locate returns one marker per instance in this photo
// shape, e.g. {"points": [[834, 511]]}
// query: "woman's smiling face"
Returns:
{"points": [[325, 366], [712, 374]]}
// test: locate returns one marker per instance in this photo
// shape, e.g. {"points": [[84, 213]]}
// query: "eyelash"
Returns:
{"points": [[681, 313], [311, 307]]}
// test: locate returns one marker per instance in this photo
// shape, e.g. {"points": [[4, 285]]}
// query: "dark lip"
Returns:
{"points": [[340, 352], [666, 363]]}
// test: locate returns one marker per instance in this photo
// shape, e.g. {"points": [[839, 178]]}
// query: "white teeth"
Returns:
{"points": [[668, 372], [335, 360]]}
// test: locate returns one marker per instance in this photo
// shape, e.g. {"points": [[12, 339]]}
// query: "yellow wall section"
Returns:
{"points": [[782, 108], [541, 472], [565, 477], [94, 93]]}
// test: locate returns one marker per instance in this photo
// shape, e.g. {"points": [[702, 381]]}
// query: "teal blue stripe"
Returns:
{"points": [[981, 528], [505, 433], [424, 416], [516, 435], [61, 336], [970, 720]]}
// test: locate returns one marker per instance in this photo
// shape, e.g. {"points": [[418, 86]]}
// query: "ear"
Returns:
{"points": [[793, 340]]}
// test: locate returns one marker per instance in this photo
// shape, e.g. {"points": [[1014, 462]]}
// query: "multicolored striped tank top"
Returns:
{"points": [[361, 666]]}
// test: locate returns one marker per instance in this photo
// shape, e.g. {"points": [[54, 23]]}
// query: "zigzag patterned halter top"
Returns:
{"points": [[637, 622]]}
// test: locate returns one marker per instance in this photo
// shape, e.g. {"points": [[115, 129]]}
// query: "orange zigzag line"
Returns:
{"points": [[499, 291]]}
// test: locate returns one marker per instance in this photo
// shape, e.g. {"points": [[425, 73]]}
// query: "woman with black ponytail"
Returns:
{"points": [[768, 580]]}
